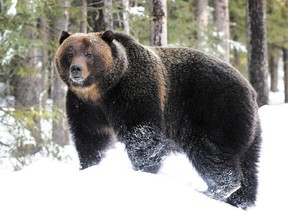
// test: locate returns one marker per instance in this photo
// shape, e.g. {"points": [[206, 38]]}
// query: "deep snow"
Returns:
{"points": [[113, 188]]}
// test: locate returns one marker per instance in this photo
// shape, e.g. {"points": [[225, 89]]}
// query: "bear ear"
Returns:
{"points": [[64, 35], [108, 36]]}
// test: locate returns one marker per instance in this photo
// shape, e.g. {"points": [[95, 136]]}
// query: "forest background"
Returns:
{"points": [[32, 97]]}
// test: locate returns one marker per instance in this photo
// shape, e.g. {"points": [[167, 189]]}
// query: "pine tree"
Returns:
{"points": [[126, 27], [277, 15], [158, 36], [28, 81], [96, 15], [285, 59], [101, 16], [257, 49], [202, 21], [59, 133], [274, 56], [83, 23], [222, 24]]}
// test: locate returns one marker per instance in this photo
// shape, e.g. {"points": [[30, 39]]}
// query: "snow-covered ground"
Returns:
{"points": [[113, 188]]}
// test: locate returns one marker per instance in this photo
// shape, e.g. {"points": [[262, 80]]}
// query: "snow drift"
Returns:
{"points": [[113, 188]]}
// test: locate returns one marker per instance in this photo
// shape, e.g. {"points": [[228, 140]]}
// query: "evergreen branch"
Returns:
{"points": [[4, 144]]}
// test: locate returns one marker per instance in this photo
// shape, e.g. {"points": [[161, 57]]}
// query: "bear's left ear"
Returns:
{"points": [[108, 36], [64, 35]]}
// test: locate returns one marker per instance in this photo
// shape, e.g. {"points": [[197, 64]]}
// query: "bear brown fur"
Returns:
{"points": [[160, 100]]}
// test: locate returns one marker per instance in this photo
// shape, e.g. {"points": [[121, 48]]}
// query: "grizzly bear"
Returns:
{"points": [[158, 101]]}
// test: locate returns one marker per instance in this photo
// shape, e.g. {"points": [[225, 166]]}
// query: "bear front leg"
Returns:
{"points": [[137, 118], [89, 128], [146, 147]]}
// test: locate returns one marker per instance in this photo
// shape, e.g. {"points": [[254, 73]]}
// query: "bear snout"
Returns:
{"points": [[76, 73]]}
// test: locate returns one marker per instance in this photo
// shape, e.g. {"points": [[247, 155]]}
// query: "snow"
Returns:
{"points": [[12, 10], [237, 45], [49, 188], [140, 11], [272, 195]]}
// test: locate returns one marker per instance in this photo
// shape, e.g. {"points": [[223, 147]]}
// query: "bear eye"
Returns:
{"points": [[88, 55], [70, 55]]}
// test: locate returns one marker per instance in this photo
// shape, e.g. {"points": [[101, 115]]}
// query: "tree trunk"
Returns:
{"points": [[1, 6], [285, 59], [83, 23], [108, 14], [274, 56], [96, 15], [59, 131], [222, 23], [126, 27], [158, 23], [100, 17], [257, 49], [236, 57], [202, 21], [45, 59], [28, 85]]}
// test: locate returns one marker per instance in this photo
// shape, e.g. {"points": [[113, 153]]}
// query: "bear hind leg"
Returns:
{"points": [[246, 196], [220, 170]]}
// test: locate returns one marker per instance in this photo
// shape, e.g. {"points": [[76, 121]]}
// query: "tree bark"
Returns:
{"points": [[274, 56], [1, 6], [158, 35], [202, 21], [100, 16], [126, 27], [28, 84], [222, 23], [96, 15], [108, 14], [83, 23], [59, 131], [285, 59], [257, 49], [235, 61]]}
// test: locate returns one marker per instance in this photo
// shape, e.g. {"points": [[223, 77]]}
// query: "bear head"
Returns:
{"points": [[88, 63]]}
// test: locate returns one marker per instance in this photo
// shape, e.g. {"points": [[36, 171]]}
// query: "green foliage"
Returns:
{"points": [[181, 25], [18, 146], [140, 21], [277, 22], [237, 13], [19, 33], [25, 134]]}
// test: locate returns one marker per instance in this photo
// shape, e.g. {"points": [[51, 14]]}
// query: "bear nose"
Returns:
{"points": [[76, 71]]}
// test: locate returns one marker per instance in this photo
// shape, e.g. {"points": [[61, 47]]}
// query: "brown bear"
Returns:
{"points": [[160, 100]]}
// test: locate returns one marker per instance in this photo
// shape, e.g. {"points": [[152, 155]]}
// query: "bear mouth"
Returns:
{"points": [[78, 80]]}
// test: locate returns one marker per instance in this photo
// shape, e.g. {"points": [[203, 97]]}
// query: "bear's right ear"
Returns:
{"points": [[64, 35]]}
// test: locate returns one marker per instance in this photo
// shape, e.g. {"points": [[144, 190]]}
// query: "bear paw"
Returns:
{"points": [[221, 192]]}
